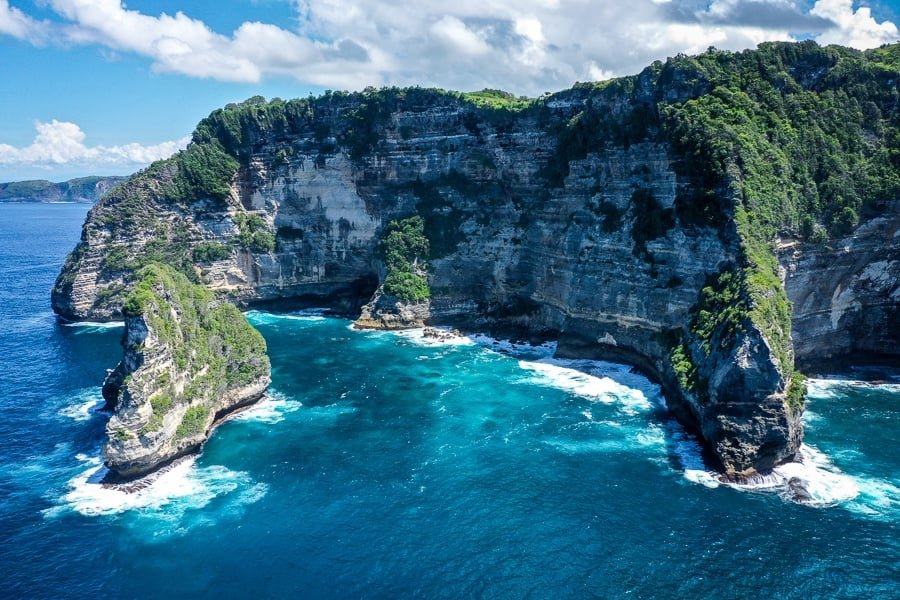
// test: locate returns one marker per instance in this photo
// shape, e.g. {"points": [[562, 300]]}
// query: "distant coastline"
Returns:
{"points": [[82, 189]]}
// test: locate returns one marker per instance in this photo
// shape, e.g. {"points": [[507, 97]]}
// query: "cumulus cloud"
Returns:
{"points": [[526, 46], [61, 144], [855, 28], [19, 25]]}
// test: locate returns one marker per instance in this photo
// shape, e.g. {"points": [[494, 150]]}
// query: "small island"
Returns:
{"points": [[189, 361]]}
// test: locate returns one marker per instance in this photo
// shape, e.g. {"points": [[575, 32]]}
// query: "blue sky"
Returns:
{"points": [[102, 86]]}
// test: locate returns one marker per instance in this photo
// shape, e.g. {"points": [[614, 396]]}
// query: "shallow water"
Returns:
{"points": [[388, 465]]}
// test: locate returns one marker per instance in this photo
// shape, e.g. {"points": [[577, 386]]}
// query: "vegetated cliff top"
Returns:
{"points": [[790, 136], [818, 126], [202, 333], [80, 189], [189, 359]]}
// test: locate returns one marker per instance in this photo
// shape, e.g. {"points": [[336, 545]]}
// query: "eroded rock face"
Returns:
{"points": [[600, 257], [388, 312], [846, 294], [189, 360]]}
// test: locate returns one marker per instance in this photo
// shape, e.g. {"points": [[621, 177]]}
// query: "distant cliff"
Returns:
{"points": [[82, 189], [641, 219]]}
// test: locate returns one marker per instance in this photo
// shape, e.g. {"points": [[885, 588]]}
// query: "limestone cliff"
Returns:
{"points": [[846, 293], [189, 360], [633, 219]]}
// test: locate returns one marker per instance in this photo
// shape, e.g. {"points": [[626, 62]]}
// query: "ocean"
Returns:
{"points": [[385, 465]]}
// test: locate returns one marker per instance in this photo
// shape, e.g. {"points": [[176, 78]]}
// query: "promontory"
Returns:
{"points": [[721, 221]]}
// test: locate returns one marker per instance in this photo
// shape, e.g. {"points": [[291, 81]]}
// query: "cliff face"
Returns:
{"points": [[590, 216], [846, 294], [189, 360]]}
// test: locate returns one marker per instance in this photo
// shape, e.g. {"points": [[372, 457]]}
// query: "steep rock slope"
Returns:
{"points": [[189, 360], [633, 219], [846, 293]]}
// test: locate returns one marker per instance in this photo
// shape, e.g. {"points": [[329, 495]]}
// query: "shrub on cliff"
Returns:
{"points": [[254, 234], [204, 333], [404, 249]]}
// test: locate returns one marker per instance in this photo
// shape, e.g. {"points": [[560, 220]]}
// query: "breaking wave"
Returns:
{"points": [[271, 409], [598, 381], [85, 405], [168, 494]]}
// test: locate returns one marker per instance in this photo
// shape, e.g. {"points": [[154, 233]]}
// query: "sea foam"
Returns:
{"points": [[417, 337], [167, 494], [87, 327], [271, 409], [309, 315], [85, 405], [597, 381]]}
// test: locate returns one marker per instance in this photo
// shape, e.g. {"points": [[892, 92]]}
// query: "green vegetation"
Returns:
{"points": [[207, 252], [254, 234], [796, 393], [208, 336], [201, 171], [161, 402], [497, 100], [684, 368], [720, 312], [404, 249], [193, 422], [204, 171]]}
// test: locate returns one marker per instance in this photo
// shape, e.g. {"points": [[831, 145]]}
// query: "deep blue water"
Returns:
{"points": [[385, 467]]}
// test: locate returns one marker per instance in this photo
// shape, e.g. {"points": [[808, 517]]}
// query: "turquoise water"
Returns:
{"points": [[382, 466]]}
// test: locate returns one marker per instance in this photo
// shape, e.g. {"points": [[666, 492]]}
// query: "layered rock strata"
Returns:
{"points": [[190, 359], [846, 294], [577, 218]]}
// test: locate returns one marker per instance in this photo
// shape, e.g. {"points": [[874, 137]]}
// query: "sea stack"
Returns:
{"points": [[190, 359]]}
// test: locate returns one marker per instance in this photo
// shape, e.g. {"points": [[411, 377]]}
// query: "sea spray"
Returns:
{"points": [[167, 494]]}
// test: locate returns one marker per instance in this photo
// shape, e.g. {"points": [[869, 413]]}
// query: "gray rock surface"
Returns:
{"points": [[511, 253], [846, 294], [178, 377]]}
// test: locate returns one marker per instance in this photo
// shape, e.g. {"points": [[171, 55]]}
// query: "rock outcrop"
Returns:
{"points": [[189, 361], [598, 216], [389, 312], [846, 294]]}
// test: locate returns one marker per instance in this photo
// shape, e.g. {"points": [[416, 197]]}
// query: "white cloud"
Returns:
{"points": [[61, 144], [855, 28], [19, 25], [458, 37], [526, 46]]}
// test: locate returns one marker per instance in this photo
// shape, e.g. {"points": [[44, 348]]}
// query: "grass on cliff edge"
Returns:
{"points": [[210, 340]]}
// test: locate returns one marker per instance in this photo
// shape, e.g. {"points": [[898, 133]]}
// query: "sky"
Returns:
{"points": [[106, 87]]}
